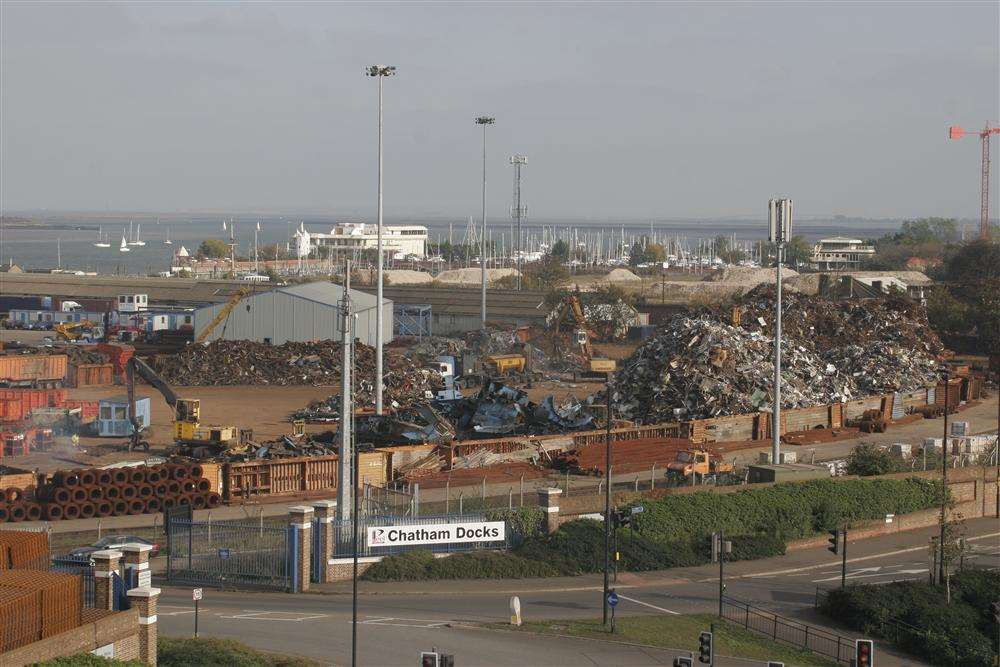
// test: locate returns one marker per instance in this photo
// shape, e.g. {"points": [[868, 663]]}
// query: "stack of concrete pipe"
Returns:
{"points": [[96, 492]]}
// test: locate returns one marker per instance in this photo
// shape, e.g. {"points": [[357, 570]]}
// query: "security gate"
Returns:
{"points": [[239, 554]]}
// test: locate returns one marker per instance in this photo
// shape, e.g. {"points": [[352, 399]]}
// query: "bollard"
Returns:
{"points": [[600, 487], [98, 529], [510, 498], [637, 483], [522, 490], [447, 495], [210, 526], [515, 610], [461, 495], [484, 491], [567, 482], [652, 477]]}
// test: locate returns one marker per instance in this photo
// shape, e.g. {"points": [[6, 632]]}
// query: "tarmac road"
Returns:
{"points": [[400, 620]]}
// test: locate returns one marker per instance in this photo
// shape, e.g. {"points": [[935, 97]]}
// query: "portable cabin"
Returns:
{"points": [[113, 415]]}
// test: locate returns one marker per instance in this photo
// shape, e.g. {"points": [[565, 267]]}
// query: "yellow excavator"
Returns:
{"points": [[222, 315], [191, 436], [73, 331]]}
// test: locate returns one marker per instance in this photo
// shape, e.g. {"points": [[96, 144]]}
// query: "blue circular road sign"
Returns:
{"points": [[613, 599]]}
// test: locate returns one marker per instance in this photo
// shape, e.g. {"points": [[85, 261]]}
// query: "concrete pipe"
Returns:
{"points": [[179, 472], [152, 476], [113, 492], [95, 493], [15, 513], [66, 478], [71, 511], [119, 507], [61, 496], [204, 486], [145, 491], [173, 488], [3, 512], [136, 506], [169, 503], [212, 500], [79, 494], [12, 495], [103, 478], [88, 478], [32, 512], [160, 490], [198, 502], [87, 510], [196, 472], [189, 486], [153, 505], [136, 475], [104, 508], [53, 512], [129, 492], [184, 499], [119, 476]]}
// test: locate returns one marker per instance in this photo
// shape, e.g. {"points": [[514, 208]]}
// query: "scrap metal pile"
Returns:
{"points": [[697, 368], [501, 410], [226, 362]]}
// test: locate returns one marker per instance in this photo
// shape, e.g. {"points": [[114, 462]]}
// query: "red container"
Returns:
{"points": [[16, 404], [32, 370], [11, 410], [118, 354], [91, 375]]}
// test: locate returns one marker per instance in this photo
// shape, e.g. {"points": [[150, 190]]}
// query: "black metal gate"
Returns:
{"points": [[239, 554]]}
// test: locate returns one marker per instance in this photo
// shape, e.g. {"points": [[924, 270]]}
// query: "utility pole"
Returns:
{"points": [[346, 403], [518, 210], [944, 478], [779, 231], [484, 121], [379, 72]]}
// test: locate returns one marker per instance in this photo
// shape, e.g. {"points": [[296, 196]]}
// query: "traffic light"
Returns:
{"points": [[430, 659], [623, 518], [834, 540], [683, 662], [705, 648], [864, 653]]}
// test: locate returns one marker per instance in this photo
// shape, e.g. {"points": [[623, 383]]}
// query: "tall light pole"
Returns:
{"points": [[379, 72], [518, 210], [484, 121], [779, 222]]}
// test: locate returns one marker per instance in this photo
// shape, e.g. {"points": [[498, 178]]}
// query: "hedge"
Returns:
{"points": [[421, 565], [794, 510], [916, 617]]}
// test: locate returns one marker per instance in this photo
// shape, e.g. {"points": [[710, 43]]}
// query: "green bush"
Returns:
{"points": [[410, 566], [174, 652], [422, 565], [523, 522], [917, 618], [88, 660]]}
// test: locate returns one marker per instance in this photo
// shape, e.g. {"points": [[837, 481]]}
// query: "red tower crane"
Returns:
{"points": [[956, 132]]}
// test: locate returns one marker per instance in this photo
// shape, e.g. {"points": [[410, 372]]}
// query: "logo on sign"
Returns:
{"points": [[377, 537]]}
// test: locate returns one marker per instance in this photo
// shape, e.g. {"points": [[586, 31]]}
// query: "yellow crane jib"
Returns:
{"points": [[222, 315]]}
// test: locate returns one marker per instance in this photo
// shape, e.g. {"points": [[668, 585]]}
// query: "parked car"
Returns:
{"points": [[114, 542]]}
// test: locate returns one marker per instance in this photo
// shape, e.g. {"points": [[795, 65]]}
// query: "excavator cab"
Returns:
{"points": [[188, 410]]}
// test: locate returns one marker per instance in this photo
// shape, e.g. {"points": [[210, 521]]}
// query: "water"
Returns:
{"points": [[39, 247]]}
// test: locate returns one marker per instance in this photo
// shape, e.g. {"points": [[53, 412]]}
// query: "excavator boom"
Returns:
{"points": [[222, 315]]}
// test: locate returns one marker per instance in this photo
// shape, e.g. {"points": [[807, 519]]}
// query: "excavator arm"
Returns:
{"points": [[136, 365], [222, 315]]}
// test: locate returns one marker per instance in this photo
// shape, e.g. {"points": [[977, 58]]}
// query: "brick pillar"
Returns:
{"points": [[302, 516], [326, 511], [105, 564], [548, 500], [144, 599], [137, 559]]}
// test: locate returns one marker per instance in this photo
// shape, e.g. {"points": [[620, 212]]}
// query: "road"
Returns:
{"points": [[399, 620]]}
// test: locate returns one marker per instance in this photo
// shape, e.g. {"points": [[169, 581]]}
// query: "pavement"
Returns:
{"points": [[398, 620]]}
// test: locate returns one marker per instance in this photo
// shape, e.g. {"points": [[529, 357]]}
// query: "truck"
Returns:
{"points": [[698, 466]]}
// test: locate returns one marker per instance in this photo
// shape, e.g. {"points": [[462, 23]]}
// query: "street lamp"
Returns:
{"points": [[379, 72], [484, 121], [779, 220]]}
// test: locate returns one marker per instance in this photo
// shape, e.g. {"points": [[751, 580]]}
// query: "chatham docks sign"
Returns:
{"points": [[436, 533]]}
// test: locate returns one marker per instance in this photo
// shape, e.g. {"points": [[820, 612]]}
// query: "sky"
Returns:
{"points": [[624, 111]]}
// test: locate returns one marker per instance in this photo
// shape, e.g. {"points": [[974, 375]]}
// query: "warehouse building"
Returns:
{"points": [[299, 313]]}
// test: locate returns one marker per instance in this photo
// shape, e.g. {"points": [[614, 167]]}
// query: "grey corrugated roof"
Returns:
{"points": [[330, 294]]}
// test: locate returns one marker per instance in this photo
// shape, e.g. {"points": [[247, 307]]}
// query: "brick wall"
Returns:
{"points": [[106, 628]]}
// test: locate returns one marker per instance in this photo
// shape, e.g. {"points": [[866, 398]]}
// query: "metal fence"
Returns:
{"points": [[83, 567], [787, 631], [231, 553], [343, 535]]}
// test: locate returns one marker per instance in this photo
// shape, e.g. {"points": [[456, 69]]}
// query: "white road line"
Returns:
{"points": [[852, 577], [651, 606], [849, 560]]}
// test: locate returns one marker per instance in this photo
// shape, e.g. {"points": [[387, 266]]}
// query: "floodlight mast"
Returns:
{"points": [[518, 211], [484, 121], [779, 220], [379, 72]]}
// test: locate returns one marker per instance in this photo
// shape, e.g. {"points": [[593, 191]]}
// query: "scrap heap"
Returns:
{"points": [[832, 351], [225, 362]]}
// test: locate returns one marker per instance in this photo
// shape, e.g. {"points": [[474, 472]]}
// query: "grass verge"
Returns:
{"points": [[207, 652], [680, 632]]}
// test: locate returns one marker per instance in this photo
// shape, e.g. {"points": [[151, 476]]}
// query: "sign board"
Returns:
{"points": [[144, 579], [225, 553], [436, 533], [106, 651], [612, 599], [602, 365], [638, 509], [195, 594]]}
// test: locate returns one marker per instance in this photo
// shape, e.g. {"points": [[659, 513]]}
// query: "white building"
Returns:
{"points": [[840, 253], [397, 240]]}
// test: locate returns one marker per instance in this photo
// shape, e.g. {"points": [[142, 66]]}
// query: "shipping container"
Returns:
{"points": [[35, 398], [88, 409], [11, 410], [26, 370], [294, 475], [91, 375]]}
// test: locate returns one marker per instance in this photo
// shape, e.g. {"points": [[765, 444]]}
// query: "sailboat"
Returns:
{"points": [[167, 240], [101, 240], [136, 241], [124, 246]]}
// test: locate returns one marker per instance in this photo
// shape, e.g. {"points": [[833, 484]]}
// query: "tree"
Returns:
{"points": [[928, 230], [725, 251], [644, 252], [798, 251], [272, 252], [546, 274], [213, 249], [560, 250], [947, 313], [973, 275], [867, 459]]}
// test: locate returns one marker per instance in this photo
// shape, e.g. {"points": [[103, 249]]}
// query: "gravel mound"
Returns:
{"points": [[748, 276], [407, 277], [472, 276], [621, 276]]}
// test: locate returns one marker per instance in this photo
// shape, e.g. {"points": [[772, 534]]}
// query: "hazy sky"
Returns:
{"points": [[623, 110]]}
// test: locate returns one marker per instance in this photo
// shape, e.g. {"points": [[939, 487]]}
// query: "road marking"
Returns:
{"points": [[414, 622], [849, 560], [651, 606], [293, 616], [852, 575], [183, 610]]}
